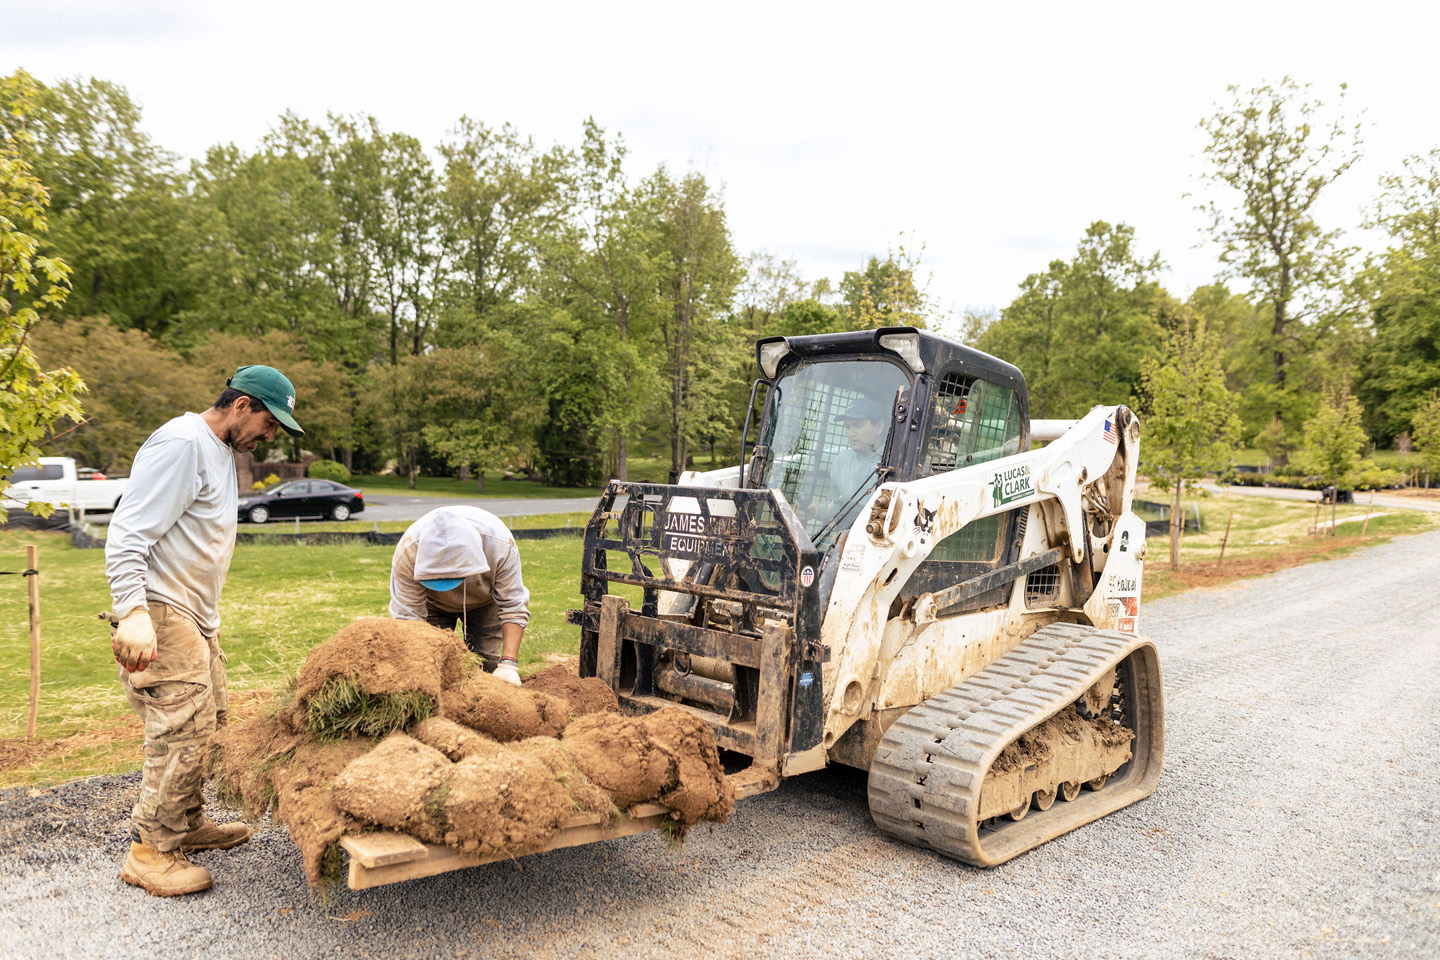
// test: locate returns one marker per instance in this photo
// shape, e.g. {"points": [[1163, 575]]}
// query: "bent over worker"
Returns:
{"points": [[461, 565], [166, 556]]}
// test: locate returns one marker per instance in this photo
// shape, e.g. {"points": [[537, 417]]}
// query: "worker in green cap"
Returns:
{"points": [[166, 555]]}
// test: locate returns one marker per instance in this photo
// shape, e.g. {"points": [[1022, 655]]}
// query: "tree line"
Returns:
{"points": [[488, 302], [484, 304], [1319, 334]]}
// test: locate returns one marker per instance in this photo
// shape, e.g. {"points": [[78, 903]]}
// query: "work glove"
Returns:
{"points": [[133, 640], [508, 671]]}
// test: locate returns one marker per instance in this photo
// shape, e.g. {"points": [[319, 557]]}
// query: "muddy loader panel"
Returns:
{"points": [[932, 782]]}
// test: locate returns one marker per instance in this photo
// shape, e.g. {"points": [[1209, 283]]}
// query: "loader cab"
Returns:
{"points": [[941, 406]]}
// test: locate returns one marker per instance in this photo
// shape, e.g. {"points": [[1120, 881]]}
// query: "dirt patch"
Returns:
{"points": [[1212, 573], [19, 756], [585, 695], [393, 785]]}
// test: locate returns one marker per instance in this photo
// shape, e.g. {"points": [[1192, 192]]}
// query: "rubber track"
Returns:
{"points": [[926, 776]]}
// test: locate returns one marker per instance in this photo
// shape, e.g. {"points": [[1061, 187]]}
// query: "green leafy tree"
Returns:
{"points": [[1081, 329], [698, 272], [1272, 147], [136, 383], [31, 287], [885, 293], [1191, 428], [1333, 443], [598, 268], [1401, 362], [119, 213], [1426, 428], [483, 408]]}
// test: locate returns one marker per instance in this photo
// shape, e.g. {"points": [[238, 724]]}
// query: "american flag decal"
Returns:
{"points": [[1110, 435]]}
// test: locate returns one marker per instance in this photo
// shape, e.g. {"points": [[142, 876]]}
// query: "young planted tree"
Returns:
{"points": [[31, 287], [1271, 147], [1333, 443], [1188, 415], [1426, 430]]}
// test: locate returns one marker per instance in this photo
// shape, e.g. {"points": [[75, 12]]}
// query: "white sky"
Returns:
{"points": [[991, 132]]}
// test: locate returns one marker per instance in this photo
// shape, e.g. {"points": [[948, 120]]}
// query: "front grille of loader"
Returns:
{"points": [[1043, 586]]}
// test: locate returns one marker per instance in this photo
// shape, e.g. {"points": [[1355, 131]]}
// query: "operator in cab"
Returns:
{"points": [[865, 430], [460, 565]]}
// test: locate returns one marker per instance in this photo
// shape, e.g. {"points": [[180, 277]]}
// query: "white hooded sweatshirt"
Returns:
{"points": [[464, 543]]}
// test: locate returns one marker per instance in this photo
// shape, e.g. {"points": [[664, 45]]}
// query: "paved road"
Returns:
{"points": [[1291, 493], [385, 506], [1298, 816]]}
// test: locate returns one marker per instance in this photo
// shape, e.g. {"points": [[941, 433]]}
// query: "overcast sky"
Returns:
{"points": [[992, 133]]}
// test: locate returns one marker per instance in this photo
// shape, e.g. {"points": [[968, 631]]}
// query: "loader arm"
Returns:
{"points": [[905, 522]]}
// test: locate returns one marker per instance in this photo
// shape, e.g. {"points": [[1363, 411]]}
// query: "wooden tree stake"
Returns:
{"points": [[32, 575], [1226, 539], [1366, 525]]}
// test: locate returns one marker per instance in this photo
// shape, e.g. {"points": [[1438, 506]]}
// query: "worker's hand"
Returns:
{"points": [[509, 671], [133, 640]]}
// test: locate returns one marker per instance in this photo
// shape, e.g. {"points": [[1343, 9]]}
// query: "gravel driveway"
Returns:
{"points": [[1298, 816]]}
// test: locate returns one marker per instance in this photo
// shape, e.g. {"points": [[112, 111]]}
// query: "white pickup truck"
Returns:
{"points": [[58, 482]]}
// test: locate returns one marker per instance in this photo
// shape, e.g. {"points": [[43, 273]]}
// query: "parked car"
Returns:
{"points": [[61, 483], [302, 498]]}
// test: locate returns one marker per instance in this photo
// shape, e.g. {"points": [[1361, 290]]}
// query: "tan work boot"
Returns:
{"points": [[215, 836], [163, 874]]}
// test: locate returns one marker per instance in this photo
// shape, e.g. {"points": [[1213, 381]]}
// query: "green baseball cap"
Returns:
{"points": [[271, 388]]}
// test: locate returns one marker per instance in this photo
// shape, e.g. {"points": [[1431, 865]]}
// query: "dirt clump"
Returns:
{"points": [[455, 741], [1036, 745], [697, 789], [394, 785], [508, 801], [669, 756], [504, 712], [305, 804], [586, 695]]}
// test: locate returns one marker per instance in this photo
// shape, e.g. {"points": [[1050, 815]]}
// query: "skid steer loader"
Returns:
{"points": [[922, 595]]}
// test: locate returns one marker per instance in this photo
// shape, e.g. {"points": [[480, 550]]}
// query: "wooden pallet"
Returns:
{"points": [[387, 857]]}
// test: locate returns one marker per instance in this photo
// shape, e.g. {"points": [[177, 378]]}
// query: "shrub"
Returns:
{"points": [[262, 484], [328, 470]]}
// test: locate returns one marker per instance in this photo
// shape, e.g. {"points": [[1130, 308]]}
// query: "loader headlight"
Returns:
{"points": [[770, 353], [907, 345]]}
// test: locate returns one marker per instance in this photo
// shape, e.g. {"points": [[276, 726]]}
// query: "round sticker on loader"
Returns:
{"points": [[807, 576]]}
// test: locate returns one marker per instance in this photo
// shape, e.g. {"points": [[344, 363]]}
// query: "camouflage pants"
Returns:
{"points": [[481, 628], [181, 699]]}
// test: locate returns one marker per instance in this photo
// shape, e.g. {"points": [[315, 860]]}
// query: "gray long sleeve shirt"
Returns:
{"points": [[458, 543], [173, 534]]}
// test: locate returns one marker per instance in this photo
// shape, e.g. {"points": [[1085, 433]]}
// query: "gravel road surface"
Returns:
{"points": [[1298, 816]]}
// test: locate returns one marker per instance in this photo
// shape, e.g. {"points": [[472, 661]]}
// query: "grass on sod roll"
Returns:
{"points": [[342, 709]]}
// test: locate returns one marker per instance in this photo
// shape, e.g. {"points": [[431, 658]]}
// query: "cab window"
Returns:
{"points": [[971, 421]]}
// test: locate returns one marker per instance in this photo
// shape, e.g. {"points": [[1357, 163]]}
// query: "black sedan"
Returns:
{"points": [[302, 498]]}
